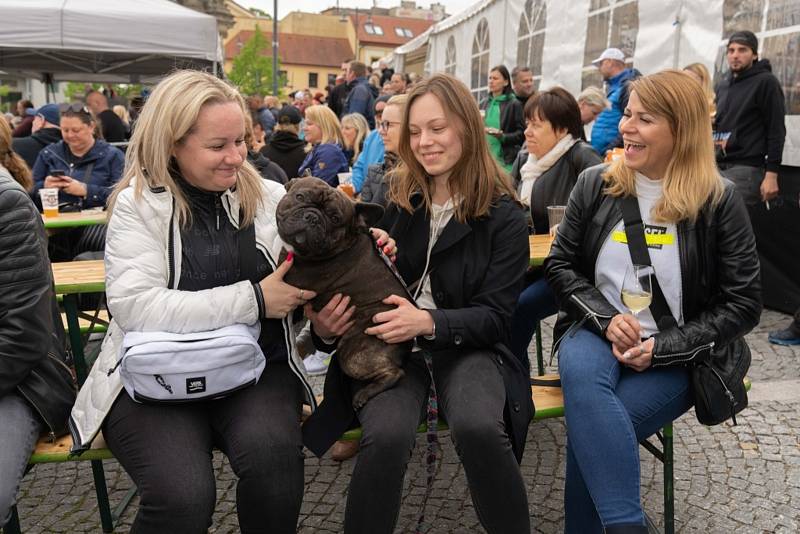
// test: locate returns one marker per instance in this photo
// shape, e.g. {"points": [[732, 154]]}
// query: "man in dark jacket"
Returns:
{"points": [[285, 148], [522, 83], [749, 130], [361, 96], [111, 126], [45, 131], [36, 388]]}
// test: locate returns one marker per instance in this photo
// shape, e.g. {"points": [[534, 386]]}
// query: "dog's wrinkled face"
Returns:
{"points": [[315, 219]]}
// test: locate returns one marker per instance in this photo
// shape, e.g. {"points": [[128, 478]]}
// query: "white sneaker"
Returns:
{"points": [[317, 363]]}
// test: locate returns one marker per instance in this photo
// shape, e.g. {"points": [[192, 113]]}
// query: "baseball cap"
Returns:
{"points": [[610, 53], [48, 112], [746, 38], [289, 115]]}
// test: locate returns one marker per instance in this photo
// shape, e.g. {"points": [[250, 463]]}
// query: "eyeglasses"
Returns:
{"points": [[384, 125], [75, 107]]}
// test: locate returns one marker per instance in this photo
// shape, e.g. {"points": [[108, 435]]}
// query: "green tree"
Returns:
{"points": [[252, 68]]}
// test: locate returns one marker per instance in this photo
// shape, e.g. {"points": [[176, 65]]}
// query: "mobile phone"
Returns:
{"points": [[57, 173]]}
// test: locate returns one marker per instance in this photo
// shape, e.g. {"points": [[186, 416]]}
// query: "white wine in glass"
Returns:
{"points": [[637, 293]]}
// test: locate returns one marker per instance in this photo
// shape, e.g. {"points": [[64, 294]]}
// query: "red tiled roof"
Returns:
{"points": [[388, 25], [295, 49]]}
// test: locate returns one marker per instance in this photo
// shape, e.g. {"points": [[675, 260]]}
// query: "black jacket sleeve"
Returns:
{"points": [[773, 110], [25, 295], [514, 126], [736, 307], [564, 267]]}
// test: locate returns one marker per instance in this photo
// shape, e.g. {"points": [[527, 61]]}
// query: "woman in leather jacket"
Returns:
{"points": [[36, 387], [624, 376]]}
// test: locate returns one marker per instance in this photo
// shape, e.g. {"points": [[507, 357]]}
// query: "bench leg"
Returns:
{"points": [[669, 482], [101, 490], [12, 527], [539, 356]]}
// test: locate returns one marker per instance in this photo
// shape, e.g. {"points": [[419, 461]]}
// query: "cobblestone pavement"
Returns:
{"points": [[743, 479]]}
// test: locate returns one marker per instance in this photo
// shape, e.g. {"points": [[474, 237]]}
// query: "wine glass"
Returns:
{"points": [[637, 292]]}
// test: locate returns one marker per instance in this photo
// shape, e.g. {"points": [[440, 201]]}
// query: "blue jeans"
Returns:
{"points": [[21, 429], [535, 303], [609, 408]]}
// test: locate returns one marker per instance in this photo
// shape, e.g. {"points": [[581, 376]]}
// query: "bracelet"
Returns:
{"points": [[433, 333]]}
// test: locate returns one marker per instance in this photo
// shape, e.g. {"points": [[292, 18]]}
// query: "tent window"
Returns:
{"points": [[530, 37], [450, 56], [479, 79], [781, 45], [610, 24]]}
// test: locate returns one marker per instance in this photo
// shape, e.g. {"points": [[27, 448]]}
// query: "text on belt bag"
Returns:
{"points": [[165, 367], [717, 381]]}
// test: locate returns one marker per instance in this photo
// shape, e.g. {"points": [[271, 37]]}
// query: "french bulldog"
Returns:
{"points": [[334, 253]]}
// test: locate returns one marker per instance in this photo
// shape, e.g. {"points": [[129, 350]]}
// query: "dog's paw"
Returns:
{"points": [[360, 399]]}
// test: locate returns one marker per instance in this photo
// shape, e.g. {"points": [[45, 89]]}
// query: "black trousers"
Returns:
{"points": [[471, 398], [167, 450]]}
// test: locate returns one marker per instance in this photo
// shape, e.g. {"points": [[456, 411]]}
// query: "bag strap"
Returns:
{"points": [[247, 251], [637, 246]]}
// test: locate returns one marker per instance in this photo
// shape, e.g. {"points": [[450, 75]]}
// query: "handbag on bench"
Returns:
{"points": [[717, 382]]}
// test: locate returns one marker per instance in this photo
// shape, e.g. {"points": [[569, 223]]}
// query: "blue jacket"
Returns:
{"points": [[605, 132], [267, 121], [361, 99], [325, 161], [107, 163], [371, 153]]}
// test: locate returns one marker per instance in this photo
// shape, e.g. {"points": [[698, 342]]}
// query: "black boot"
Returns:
{"points": [[626, 529]]}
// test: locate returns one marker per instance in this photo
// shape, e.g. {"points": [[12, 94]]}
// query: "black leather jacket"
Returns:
{"points": [[31, 362], [719, 272]]}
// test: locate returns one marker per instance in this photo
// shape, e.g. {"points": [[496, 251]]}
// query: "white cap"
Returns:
{"points": [[610, 53]]}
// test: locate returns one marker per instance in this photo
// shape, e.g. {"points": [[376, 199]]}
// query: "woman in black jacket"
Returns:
{"points": [[36, 389], [544, 174], [502, 117], [623, 375], [462, 242]]}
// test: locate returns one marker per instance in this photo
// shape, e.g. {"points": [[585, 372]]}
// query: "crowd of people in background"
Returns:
{"points": [[409, 144]]}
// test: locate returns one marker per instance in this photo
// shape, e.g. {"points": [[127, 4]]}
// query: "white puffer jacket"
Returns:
{"points": [[143, 239]]}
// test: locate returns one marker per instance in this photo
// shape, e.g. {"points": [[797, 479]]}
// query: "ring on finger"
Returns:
{"points": [[300, 294]]}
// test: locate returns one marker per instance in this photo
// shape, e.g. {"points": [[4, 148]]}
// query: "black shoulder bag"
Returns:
{"points": [[717, 382]]}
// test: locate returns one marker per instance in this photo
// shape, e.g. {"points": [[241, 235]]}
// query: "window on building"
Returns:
{"points": [[450, 56], [313, 79], [331, 79], [530, 37], [373, 29], [610, 24], [781, 45], [479, 66]]}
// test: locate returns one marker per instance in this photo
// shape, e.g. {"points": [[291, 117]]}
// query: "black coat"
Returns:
{"points": [[32, 352], [719, 272], [29, 147], [512, 123], [476, 273], [287, 151], [554, 185], [269, 170]]}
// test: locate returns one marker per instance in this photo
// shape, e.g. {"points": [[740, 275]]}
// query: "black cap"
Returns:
{"points": [[289, 115], [746, 38]]}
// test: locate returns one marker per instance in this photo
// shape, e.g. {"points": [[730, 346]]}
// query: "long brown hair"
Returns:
{"points": [[168, 117], [476, 179], [692, 179], [10, 160]]}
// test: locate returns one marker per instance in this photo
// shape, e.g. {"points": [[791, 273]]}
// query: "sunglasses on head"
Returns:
{"points": [[76, 107]]}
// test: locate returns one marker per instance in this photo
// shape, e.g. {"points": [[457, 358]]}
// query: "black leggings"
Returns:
{"points": [[471, 398], [167, 452]]}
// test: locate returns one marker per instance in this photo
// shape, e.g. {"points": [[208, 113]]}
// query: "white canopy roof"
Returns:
{"points": [[110, 41]]}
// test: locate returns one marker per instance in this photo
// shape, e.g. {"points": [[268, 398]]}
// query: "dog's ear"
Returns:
{"points": [[291, 183], [368, 214]]}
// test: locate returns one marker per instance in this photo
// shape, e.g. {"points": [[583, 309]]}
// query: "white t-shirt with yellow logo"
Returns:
{"points": [[662, 245]]}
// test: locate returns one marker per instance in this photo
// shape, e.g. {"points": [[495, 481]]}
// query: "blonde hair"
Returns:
{"points": [[397, 100], [476, 177], [357, 121], [594, 97], [691, 179], [700, 70], [10, 160], [327, 121], [121, 112], [167, 119], [287, 127]]}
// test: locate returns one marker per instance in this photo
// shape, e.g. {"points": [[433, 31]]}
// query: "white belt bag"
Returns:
{"points": [[163, 367]]}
